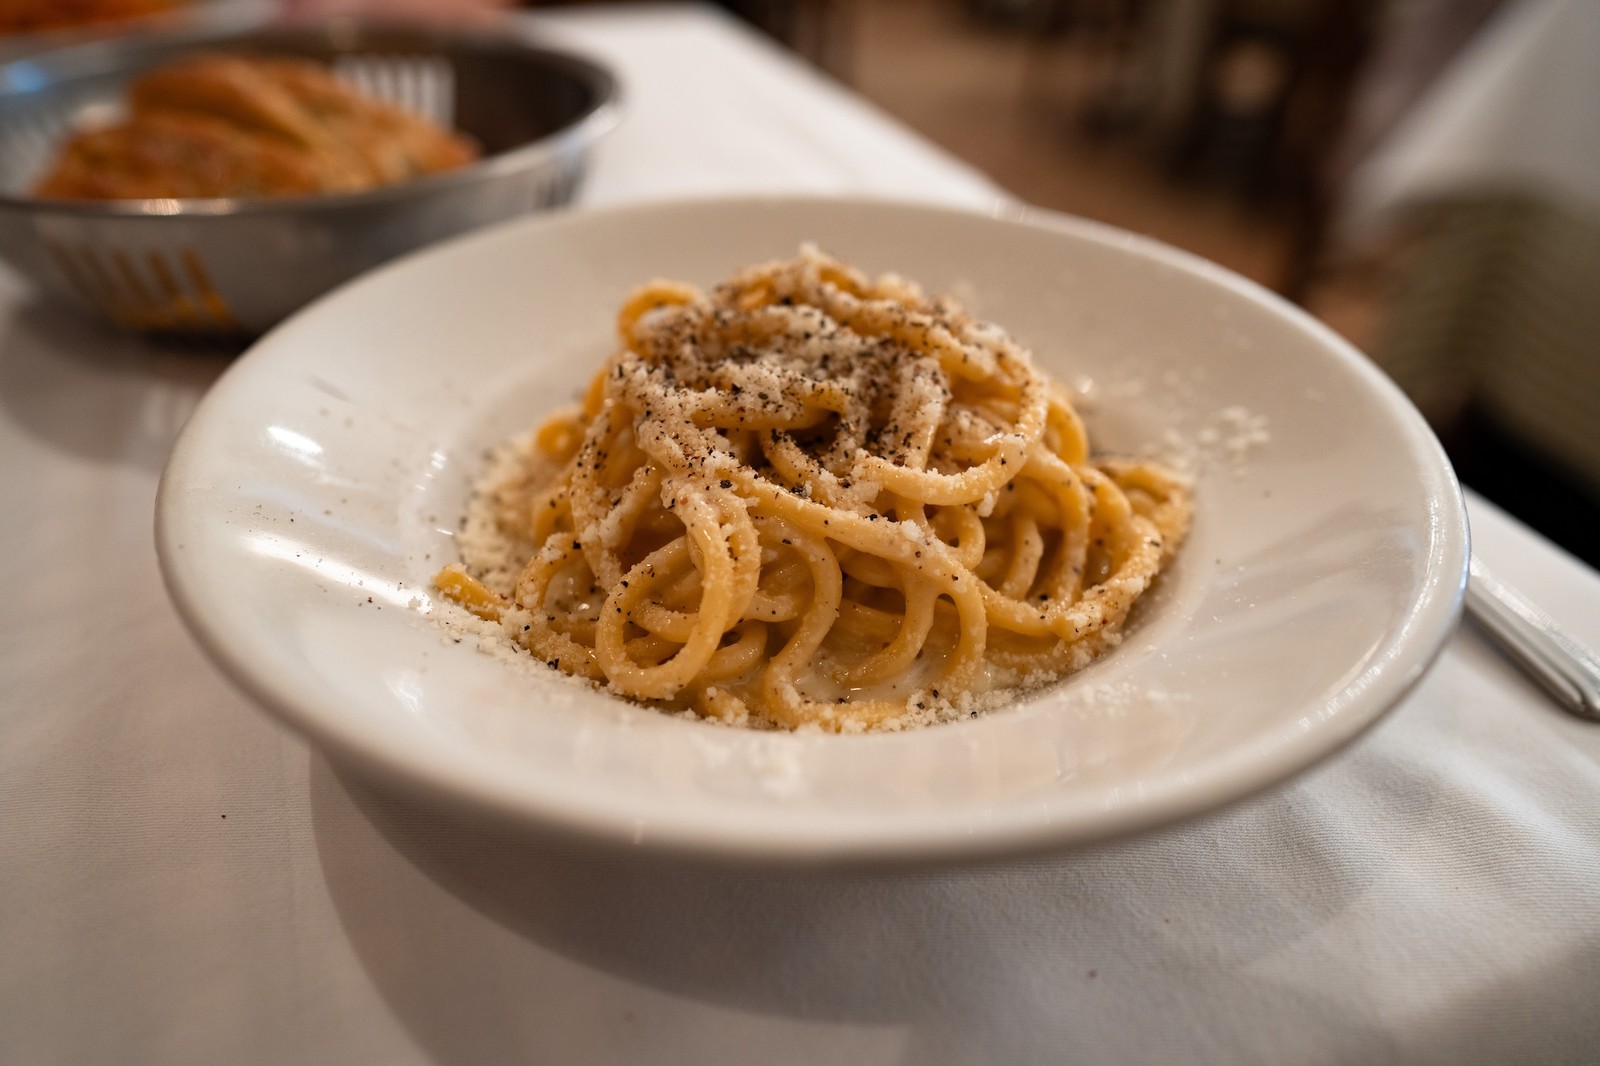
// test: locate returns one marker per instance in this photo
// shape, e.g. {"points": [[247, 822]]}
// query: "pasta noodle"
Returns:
{"points": [[812, 499]]}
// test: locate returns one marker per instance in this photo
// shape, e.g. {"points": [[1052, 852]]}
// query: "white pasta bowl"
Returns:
{"points": [[316, 490]]}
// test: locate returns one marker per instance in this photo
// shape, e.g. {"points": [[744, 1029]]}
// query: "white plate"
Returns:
{"points": [[314, 493]]}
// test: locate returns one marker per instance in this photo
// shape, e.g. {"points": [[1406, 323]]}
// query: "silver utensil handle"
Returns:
{"points": [[1566, 669]]}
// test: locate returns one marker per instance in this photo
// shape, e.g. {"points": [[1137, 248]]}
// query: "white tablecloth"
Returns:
{"points": [[182, 881], [1514, 115]]}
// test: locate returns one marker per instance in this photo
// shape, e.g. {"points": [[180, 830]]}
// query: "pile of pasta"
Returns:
{"points": [[808, 498]]}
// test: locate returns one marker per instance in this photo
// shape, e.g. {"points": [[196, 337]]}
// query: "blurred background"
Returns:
{"points": [[1422, 175]]}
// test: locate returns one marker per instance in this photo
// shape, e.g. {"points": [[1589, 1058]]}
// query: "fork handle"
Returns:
{"points": [[1566, 669]]}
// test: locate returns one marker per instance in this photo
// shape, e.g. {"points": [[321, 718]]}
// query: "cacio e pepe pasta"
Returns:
{"points": [[808, 498]]}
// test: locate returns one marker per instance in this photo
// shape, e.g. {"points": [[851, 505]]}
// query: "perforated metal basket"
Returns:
{"points": [[226, 266]]}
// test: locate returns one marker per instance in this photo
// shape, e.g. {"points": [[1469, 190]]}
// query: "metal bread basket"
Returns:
{"points": [[237, 266]]}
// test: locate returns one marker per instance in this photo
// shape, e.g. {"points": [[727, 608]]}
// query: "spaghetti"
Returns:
{"points": [[809, 498]]}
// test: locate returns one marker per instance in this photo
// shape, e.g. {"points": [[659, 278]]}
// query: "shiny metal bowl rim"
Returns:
{"points": [[70, 62]]}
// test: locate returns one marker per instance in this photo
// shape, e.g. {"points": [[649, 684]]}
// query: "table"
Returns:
{"points": [[182, 881], [1492, 181], [1512, 114]]}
